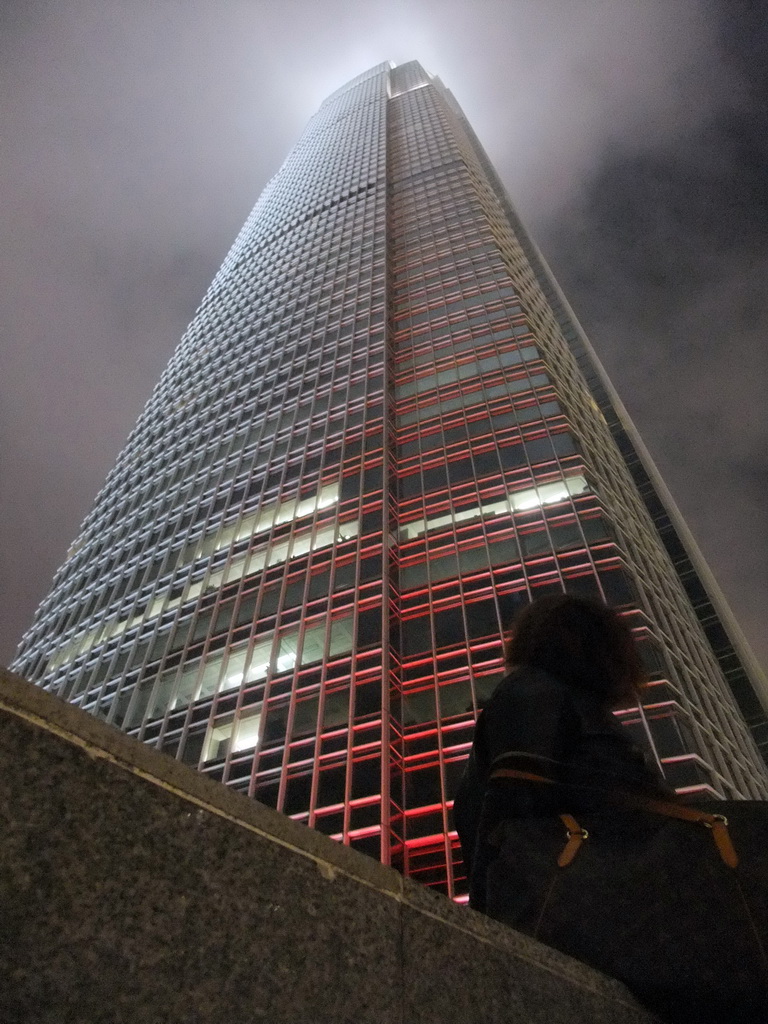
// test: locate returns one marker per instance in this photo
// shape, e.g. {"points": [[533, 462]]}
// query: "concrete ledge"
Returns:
{"points": [[134, 889]]}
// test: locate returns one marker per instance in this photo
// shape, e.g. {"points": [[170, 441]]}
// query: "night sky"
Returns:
{"points": [[631, 136]]}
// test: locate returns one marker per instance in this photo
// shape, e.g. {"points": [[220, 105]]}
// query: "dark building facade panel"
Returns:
{"points": [[381, 435]]}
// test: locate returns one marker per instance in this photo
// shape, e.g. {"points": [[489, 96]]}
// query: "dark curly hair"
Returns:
{"points": [[582, 642]]}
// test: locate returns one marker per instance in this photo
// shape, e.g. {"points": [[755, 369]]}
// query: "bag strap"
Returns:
{"points": [[514, 773], [716, 823], [575, 835]]}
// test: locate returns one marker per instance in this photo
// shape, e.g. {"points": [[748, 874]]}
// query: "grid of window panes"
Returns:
{"points": [[736, 663], [719, 755], [375, 394], [497, 499], [224, 599]]}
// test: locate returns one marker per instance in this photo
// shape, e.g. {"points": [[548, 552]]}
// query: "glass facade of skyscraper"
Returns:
{"points": [[379, 437]]}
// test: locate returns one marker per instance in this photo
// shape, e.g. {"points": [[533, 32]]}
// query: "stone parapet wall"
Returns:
{"points": [[133, 889]]}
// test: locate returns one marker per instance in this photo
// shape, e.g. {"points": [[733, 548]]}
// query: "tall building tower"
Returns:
{"points": [[382, 433]]}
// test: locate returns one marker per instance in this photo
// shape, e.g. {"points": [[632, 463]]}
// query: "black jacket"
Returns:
{"points": [[536, 724]]}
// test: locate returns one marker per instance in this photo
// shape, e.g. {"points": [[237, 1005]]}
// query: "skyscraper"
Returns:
{"points": [[381, 434]]}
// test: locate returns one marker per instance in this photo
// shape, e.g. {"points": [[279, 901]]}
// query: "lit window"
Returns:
{"points": [[232, 737], [517, 501]]}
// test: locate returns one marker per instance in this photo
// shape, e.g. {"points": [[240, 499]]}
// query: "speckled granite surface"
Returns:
{"points": [[133, 889]]}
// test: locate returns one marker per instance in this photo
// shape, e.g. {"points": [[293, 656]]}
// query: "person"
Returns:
{"points": [[547, 741], [556, 835]]}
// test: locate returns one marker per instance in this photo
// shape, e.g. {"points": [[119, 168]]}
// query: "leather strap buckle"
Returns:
{"points": [[575, 836]]}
